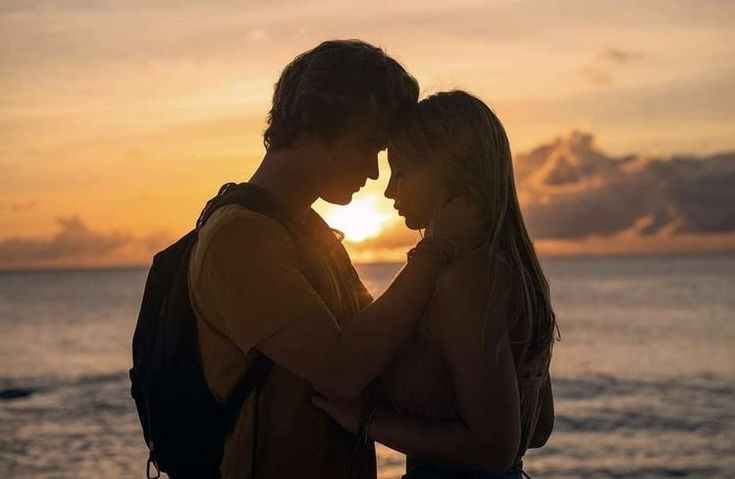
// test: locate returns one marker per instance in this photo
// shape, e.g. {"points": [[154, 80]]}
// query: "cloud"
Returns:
{"points": [[20, 205], [609, 61], [75, 244], [597, 76], [391, 245], [572, 189], [395, 235], [616, 55]]}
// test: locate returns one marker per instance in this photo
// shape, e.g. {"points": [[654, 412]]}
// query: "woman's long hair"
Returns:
{"points": [[464, 143]]}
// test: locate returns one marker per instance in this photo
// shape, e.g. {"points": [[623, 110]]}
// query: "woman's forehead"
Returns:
{"points": [[371, 133], [404, 157], [394, 156]]}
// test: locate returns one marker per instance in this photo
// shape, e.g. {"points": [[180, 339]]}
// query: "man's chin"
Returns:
{"points": [[341, 199], [413, 223]]}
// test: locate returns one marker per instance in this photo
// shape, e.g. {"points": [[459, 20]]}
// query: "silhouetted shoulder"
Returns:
{"points": [[469, 288], [466, 268], [245, 228], [245, 278], [473, 269]]}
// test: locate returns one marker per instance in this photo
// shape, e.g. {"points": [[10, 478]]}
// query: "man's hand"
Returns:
{"points": [[459, 222]]}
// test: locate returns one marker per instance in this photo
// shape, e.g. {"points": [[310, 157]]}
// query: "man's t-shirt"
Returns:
{"points": [[246, 283]]}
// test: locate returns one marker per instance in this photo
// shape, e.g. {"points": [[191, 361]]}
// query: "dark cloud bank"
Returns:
{"points": [[571, 189], [76, 244]]}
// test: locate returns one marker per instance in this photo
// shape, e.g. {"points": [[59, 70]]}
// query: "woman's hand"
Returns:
{"points": [[345, 412]]}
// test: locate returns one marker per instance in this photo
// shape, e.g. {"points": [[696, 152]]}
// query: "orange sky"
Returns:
{"points": [[119, 119]]}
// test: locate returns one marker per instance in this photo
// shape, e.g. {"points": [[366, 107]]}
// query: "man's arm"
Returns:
{"points": [[342, 364]]}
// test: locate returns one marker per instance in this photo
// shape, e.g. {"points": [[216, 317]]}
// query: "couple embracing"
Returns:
{"points": [[450, 365]]}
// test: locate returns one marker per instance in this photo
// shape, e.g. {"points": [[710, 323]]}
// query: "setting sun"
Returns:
{"points": [[360, 220]]}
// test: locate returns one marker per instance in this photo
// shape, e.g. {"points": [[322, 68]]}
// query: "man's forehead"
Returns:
{"points": [[375, 135]]}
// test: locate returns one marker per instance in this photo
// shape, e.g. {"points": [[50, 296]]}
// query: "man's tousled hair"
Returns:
{"points": [[335, 87]]}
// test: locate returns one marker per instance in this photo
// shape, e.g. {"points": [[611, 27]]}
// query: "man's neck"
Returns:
{"points": [[289, 176]]}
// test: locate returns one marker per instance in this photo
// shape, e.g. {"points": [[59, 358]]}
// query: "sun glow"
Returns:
{"points": [[360, 220]]}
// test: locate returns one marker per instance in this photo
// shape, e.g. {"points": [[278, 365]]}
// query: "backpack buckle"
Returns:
{"points": [[151, 466]]}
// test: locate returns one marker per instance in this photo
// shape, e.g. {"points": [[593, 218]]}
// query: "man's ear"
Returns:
{"points": [[325, 151]]}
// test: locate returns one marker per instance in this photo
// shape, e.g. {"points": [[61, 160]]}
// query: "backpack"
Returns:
{"points": [[184, 425]]}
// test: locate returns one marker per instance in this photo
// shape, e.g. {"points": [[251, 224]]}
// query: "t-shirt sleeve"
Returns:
{"points": [[249, 284]]}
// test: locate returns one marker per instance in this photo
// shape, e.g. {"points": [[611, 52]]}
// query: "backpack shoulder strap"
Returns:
{"points": [[254, 198], [261, 201], [254, 378]]}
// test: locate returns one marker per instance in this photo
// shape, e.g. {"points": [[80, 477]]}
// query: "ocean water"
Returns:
{"points": [[644, 374]]}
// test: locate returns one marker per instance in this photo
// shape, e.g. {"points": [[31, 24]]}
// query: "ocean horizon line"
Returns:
{"points": [[551, 257]]}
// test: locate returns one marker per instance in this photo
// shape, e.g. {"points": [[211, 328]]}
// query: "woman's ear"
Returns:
{"points": [[443, 195]]}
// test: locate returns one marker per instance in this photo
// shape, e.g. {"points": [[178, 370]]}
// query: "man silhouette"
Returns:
{"points": [[333, 109]]}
